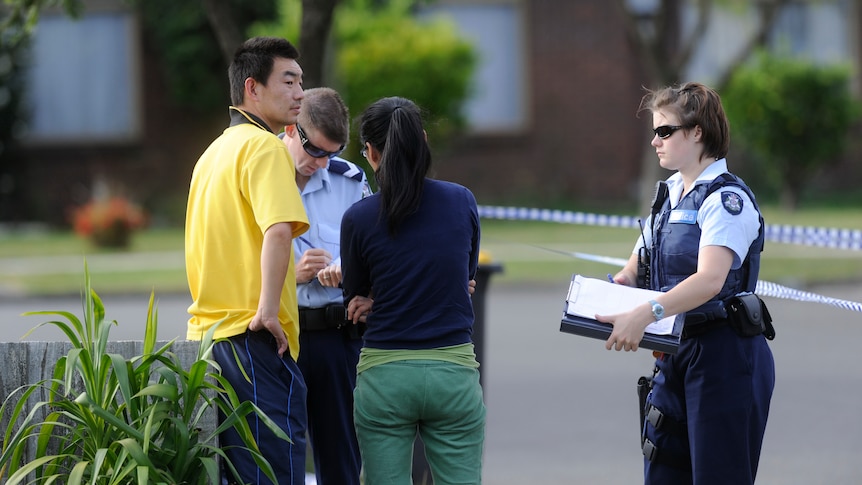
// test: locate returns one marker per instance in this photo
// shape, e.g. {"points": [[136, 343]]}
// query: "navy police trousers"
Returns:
{"points": [[328, 361], [707, 412]]}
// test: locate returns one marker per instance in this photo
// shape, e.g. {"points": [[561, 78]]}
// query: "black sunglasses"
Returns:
{"points": [[666, 131], [313, 150]]}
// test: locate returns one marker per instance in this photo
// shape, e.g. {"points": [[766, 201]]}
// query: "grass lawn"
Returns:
{"points": [[39, 262], [516, 245]]}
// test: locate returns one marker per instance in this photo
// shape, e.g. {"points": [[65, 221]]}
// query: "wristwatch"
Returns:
{"points": [[657, 310]]}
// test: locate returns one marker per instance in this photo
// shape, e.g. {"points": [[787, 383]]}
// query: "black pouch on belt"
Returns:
{"points": [[748, 316]]}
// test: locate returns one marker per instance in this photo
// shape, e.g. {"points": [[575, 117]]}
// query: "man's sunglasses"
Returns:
{"points": [[665, 131], [312, 150]]}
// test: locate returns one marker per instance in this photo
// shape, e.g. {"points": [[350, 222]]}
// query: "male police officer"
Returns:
{"points": [[329, 344]]}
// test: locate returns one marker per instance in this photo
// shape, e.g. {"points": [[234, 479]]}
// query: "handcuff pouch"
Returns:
{"points": [[748, 316]]}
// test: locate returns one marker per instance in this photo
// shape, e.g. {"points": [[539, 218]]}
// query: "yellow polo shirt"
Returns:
{"points": [[241, 185]]}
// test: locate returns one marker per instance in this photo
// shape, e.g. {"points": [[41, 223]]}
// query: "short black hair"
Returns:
{"points": [[254, 59]]}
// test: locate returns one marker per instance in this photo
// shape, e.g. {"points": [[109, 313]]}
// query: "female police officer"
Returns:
{"points": [[707, 412]]}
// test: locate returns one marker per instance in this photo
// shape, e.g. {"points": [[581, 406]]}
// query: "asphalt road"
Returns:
{"points": [[562, 410]]}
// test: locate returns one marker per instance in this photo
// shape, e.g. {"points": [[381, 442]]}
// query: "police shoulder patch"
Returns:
{"points": [[345, 169], [732, 202]]}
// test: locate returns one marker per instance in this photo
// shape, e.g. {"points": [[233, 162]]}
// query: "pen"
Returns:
{"points": [[611, 278], [306, 241]]}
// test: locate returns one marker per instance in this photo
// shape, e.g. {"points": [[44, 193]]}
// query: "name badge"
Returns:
{"points": [[683, 217]]}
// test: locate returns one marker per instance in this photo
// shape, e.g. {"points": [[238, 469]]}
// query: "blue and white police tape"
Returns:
{"points": [[763, 288], [804, 235], [767, 288]]}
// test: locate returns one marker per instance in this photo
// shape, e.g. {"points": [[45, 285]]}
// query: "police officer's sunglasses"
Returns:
{"points": [[665, 131], [313, 150]]}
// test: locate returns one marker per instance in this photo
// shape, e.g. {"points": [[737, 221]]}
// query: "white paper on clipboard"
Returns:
{"points": [[590, 296]]}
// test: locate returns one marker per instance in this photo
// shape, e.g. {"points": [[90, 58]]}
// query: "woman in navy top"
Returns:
{"points": [[413, 247]]}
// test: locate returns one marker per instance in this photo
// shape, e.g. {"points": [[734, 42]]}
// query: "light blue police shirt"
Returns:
{"points": [[327, 194]]}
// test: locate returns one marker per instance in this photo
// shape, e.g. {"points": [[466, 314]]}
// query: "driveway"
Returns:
{"points": [[562, 410]]}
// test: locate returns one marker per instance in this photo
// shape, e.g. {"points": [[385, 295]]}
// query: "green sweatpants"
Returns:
{"points": [[440, 400]]}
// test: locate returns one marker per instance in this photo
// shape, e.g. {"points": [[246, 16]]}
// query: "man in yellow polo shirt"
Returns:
{"points": [[240, 222]]}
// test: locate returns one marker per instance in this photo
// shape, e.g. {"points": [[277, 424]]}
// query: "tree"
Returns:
{"points": [[666, 48], [317, 19], [793, 116], [20, 16], [182, 33], [307, 23], [426, 61]]}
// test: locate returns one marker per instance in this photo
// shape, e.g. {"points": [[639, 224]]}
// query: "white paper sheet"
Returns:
{"points": [[590, 296]]}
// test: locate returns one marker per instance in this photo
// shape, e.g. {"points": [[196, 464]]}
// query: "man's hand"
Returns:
{"points": [[271, 325], [330, 276], [311, 262]]}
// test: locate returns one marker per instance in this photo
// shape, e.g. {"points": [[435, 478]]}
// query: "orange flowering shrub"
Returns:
{"points": [[109, 222]]}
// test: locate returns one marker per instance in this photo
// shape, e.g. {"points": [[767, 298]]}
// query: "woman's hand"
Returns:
{"points": [[629, 327], [359, 308], [712, 268]]}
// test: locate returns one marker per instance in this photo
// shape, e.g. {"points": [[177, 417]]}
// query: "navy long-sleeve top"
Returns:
{"points": [[420, 276]]}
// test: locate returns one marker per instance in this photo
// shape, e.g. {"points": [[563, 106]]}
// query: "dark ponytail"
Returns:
{"points": [[393, 126]]}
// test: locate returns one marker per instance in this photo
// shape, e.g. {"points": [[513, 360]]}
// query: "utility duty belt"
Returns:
{"points": [[325, 318], [746, 314], [328, 318]]}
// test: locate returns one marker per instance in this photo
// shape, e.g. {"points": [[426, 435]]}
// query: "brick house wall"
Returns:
{"points": [[581, 148], [583, 141], [154, 170]]}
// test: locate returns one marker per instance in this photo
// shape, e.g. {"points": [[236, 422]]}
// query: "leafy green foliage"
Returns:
{"points": [[193, 63], [108, 419], [380, 48], [286, 23], [19, 17], [792, 115], [387, 52]]}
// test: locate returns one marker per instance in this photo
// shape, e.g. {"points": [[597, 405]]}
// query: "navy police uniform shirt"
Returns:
{"points": [[726, 218]]}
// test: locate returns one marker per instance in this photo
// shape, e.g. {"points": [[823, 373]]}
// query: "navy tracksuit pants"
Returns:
{"points": [[276, 386]]}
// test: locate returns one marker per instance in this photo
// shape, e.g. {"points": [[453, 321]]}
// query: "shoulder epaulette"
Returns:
{"points": [[345, 169], [724, 180]]}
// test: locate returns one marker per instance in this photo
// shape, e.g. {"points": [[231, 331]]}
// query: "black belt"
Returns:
{"points": [[703, 319], [328, 317], [700, 328]]}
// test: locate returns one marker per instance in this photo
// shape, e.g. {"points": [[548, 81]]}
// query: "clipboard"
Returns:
{"points": [[603, 297]]}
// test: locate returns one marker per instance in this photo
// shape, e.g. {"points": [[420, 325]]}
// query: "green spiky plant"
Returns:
{"points": [[112, 420]]}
